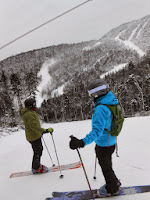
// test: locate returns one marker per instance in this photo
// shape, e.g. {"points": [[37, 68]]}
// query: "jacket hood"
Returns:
{"points": [[24, 110], [108, 99]]}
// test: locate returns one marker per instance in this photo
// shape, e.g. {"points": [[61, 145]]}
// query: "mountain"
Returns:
{"points": [[133, 35], [67, 68]]}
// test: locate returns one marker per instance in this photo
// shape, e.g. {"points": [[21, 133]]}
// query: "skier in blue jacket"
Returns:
{"points": [[105, 143]]}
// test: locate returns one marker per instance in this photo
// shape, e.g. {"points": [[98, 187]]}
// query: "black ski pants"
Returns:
{"points": [[37, 153], [104, 155]]}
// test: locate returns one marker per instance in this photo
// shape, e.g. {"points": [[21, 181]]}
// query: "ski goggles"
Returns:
{"points": [[99, 88]]}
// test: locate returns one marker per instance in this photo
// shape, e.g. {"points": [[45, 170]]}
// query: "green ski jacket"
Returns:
{"points": [[31, 121]]}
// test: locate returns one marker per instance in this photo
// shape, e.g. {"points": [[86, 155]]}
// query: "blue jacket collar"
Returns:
{"points": [[108, 99]]}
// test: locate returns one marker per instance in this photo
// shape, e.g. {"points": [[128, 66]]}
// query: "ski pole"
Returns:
{"points": [[94, 177], [61, 176], [85, 173], [48, 152]]}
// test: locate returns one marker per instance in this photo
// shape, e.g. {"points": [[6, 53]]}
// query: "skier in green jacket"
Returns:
{"points": [[34, 133]]}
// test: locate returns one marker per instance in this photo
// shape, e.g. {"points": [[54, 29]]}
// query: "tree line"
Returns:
{"points": [[131, 86]]}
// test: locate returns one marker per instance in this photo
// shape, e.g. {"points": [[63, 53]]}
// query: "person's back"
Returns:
{"points": [[33, 129], [34, 133]]}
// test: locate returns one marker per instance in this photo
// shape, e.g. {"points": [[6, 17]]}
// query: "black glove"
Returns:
{"points": [[75, 143]]}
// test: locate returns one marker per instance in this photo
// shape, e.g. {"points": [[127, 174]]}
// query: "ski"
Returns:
{"points": [[50, 169], [86, 194]]}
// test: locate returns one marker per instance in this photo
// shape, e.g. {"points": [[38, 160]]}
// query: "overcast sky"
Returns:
{"points": [[89, 22]]}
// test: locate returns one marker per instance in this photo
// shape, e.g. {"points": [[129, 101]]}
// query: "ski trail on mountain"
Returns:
{"points": [[46, 81], [128, 43]]}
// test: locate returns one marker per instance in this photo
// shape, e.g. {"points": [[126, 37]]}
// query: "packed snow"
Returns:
{"points": [[132, 167]]}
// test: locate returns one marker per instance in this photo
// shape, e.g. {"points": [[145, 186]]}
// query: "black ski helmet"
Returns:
{"points": [[30, 102], [98, 87]]}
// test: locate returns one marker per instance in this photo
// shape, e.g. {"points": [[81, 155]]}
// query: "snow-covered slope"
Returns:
{"points": [[129, 44], [132, 167], [134, 35], [114, 70], [46, 80]]}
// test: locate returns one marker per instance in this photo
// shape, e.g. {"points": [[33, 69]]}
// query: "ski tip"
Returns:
{"points": [[18, 174], [11, 176]]}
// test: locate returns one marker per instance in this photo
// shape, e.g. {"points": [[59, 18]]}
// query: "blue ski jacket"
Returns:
{"points": [[101, 119]]}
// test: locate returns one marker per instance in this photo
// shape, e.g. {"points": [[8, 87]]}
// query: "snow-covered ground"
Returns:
{"points": [[132, 167]]}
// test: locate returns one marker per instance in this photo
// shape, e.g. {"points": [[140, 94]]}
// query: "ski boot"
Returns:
{"points": [[41, 169], [103, 192]]}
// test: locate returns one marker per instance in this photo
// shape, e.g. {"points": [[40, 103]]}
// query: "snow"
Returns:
{"points": [[58, 91], [133, 33], [102, 58], [16, 103], [114, 70], [132, 167], [97, 44], [88, 48], [139, 32], [130, 44], [45, 82]]}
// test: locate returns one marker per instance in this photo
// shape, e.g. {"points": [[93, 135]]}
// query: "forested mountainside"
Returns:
{"points": [[74, 66], [130, 85]]}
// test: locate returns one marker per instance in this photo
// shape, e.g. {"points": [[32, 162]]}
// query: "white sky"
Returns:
{"points": [[90, 21]]}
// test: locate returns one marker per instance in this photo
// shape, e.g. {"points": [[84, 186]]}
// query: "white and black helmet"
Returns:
{"points": [[30, 102], [98, 88]]}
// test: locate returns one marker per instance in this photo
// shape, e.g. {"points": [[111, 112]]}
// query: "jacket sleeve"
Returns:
{"points": [[99, 119]]}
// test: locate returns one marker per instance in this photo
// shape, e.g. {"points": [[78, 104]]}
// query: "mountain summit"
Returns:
{"points": [[135, 35]]}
